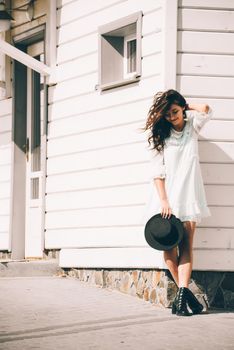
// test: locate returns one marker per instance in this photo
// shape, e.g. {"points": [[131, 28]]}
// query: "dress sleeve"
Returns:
{"points": [[200, 118], [157, 166]]}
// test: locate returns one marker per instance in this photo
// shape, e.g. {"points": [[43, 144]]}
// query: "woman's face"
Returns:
{"points": [[175, 116]]}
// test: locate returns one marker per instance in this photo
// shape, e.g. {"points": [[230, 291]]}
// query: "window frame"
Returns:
{"points": [[114, 26], [127, 39]]}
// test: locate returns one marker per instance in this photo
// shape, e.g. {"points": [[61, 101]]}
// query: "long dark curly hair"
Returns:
{"points": [[156, 122]]}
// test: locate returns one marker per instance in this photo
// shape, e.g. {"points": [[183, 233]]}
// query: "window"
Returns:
{"points": [[120, 52], [129, 56]]}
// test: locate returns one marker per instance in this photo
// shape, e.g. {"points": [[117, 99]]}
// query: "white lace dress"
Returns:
{"points": [[180, 167]]}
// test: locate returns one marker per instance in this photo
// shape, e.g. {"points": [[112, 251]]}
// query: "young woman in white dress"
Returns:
{"points": [[177, 185]]}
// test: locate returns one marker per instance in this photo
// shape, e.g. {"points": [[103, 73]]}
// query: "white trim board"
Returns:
{"points": [[136, 257]]}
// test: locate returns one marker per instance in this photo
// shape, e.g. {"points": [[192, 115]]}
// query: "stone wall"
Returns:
{"points": [[5, 255], [213, 289]]}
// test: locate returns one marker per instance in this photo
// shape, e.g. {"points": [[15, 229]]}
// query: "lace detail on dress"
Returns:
{"points": [[179, 138]]}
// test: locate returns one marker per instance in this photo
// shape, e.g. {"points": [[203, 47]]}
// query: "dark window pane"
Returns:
{"points": [[131, 56]]}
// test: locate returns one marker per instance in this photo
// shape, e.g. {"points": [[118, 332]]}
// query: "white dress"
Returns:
{"points": [[179, 165]]}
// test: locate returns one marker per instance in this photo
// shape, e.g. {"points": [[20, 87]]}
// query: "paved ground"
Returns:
{"points": [[64, 313]]}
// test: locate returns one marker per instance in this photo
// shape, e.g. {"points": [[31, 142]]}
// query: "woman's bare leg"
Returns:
{"points": [[186, 254], [171, 259]]}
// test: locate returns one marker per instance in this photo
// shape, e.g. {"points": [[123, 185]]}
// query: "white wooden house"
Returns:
{"points": [[73, 164]]}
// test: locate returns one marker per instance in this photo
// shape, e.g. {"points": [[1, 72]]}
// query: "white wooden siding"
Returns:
{"points": [[96, 152], [205, 74], [97, 181], [5, 171]]}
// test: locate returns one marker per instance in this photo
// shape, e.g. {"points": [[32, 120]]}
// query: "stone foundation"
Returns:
{"points": [[213, 289], [5, 255], [51, 254]]}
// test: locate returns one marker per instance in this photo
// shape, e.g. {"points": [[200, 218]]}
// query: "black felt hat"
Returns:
{"points": [[163, 234]]}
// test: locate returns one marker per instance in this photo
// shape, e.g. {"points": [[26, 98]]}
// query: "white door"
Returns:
{"points": [[34, 223]]}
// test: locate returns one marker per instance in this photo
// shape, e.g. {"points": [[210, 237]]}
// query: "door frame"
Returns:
{"points": [[18, 178]]}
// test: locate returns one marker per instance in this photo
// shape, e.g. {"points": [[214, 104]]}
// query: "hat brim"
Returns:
{"points": [[157, 245]]}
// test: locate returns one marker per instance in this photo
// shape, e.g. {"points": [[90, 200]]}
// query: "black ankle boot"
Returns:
{"points": [[193, 303], [179, 306]]}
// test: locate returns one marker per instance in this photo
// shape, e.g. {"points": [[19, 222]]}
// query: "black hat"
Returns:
{"points": [[163, 234]]}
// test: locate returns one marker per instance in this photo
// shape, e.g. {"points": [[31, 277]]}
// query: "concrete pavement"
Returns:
{"points": [[64, 313]]}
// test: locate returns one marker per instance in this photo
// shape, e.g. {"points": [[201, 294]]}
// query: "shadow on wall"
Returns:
{"points": [[218, 174]]}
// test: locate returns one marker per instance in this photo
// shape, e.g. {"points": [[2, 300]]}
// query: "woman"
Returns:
{"points": [[177, 181]]}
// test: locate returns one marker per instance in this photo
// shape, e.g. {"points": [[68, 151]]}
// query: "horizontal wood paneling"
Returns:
{"points": [[74, 87], [125, 216], [4, 190], [5, 121], [89, 44], [206, 86], [111, 9], [79, 47], [213, 260], [197, 64], [88, 64], [5, 172], [5, 138], [99, 119], [219, 195], [218, 173], [205, 74], [77, 67], [108, 119], [78, 9], [97, 198], [4, 225], [218, 131], [205, 238], [116, 115], [125, 134], [97, 159], [97, 165], [128, 174], [5, 154], [4, 206], [126, 154], [141, 258], [97, 139], [214, 238], [111, 258], [104, 177], [95, 237], [6, 107], [196, 19], [152, 22], [205, 42], [122, 216], [86, 84], [224, 4], [148, 48], [222, 107], [4, 237], [96, 101], [87, 67], [216, 152]]}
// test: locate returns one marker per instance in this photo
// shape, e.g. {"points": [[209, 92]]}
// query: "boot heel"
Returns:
{"points": [[173, 311], [193, 303]]}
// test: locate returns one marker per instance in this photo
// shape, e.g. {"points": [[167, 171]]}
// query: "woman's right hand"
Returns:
{"points": [[165, 209]]}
